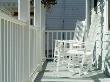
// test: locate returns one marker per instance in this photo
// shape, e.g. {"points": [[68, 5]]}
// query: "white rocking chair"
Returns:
{"points": [[83, 58], [62, 46]]}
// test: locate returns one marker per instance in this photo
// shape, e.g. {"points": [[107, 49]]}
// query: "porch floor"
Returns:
{"points": [[50, 75]]}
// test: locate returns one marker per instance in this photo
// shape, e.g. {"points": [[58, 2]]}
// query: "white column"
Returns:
{"points": [[37, 24], [24, 15], [24, 10], [105, 29], [37, 13], [43, 12], [106, 20], [87, 15], [0, 53]]}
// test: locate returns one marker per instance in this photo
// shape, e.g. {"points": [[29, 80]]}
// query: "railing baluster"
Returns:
{"points": [[0, 50], [52, 46], [33, 50], [4, 51], [58, 36], [23, 52], [12, 33], [10, 52], [70, 35], [61, 35], [47, 45], [29, 52], [7, 50], [15, 53], [66, 35]]}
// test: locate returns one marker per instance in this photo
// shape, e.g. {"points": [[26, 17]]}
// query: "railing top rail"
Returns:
{"points": [[34, 27], [10, 18], [59, 30]]}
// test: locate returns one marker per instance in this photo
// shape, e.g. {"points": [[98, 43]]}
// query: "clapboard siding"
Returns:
{"points": [[65, 14]]}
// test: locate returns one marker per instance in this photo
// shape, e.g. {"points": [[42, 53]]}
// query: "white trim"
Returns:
{"points": [[0, 54], [24, 10], [107, 9]]}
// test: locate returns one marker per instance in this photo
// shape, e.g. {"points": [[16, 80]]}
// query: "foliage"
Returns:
{"points": [[48, 3]]}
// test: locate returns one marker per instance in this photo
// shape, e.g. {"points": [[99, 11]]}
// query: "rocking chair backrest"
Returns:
{"points": [[92, 35], [79, 31]]}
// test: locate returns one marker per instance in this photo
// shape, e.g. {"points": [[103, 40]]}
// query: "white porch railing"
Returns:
{"points": [[51, 36], [20, 50]]}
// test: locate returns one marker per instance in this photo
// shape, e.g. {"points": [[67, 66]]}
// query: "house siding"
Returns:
{"points": [[65, 14]]}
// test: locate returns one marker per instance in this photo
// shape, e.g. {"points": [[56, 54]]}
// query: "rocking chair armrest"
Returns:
{"points": [[66, 41], [79, 43], [72, 41]]}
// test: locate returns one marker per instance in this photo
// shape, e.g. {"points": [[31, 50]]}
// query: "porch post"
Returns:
{"points": [[87, 17], [24, 15], [105, 29], [24, 10], [43, 13], [37, 24], [37, 13]]}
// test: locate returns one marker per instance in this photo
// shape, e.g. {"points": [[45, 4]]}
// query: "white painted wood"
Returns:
{"points": [[47, 45], [105, 28], [105, 16], [37, 13], [15, 41], [43, 12], [0, 51], [52, 45], [10, 51], [87, 17], [39, 22], [51, 36], [24, 10], [23, 29], [4, 52]]}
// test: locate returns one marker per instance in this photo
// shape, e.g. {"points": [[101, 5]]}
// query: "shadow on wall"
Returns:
{"points": [[107, 60], [95, 59]]}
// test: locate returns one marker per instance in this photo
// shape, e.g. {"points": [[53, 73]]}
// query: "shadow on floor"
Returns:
{"points": [[95, 78], [40, 74]]}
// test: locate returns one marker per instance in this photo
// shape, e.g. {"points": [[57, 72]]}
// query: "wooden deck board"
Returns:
{"points": [[50, 75]]}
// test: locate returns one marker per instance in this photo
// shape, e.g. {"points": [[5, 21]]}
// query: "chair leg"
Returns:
{"points": [[58, 64]]}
